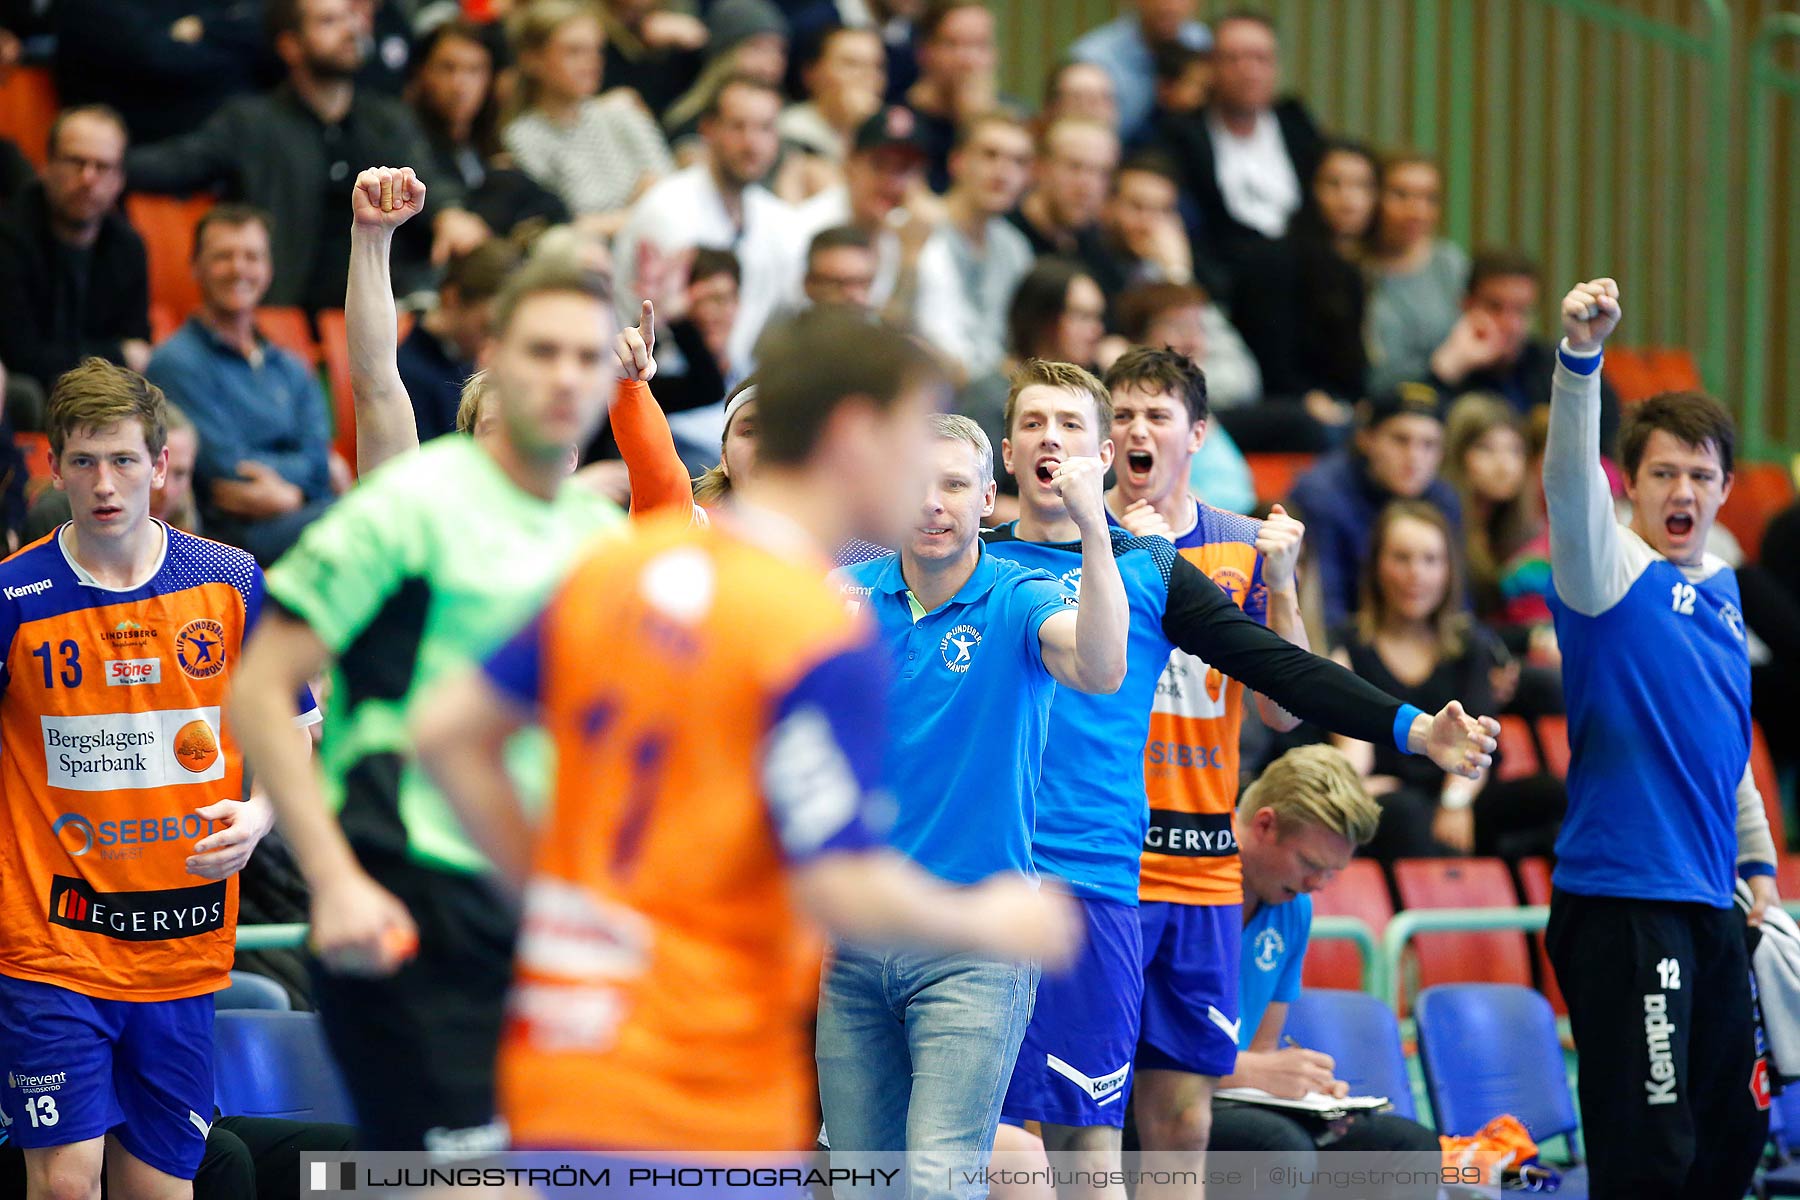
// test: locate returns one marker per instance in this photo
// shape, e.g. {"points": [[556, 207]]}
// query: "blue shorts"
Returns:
{"points": [[1074, 1066], [1190, 987], [78, 1068]]}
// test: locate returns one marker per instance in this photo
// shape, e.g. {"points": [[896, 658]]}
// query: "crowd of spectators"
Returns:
{"points": [[733, 160]]}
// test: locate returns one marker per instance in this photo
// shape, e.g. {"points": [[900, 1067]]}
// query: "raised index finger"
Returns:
{"points": [[647, 320]]}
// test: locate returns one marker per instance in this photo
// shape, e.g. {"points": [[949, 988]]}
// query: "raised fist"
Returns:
{"points": [[1590, 312], [386, 197]]}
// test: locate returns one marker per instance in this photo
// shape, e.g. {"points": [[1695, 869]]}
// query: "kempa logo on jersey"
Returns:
{"points": [[133, 672], [129, 751], [137, 916], [200, 648], [958, 647], [120, 840], [34, 1085], [29, 589]]}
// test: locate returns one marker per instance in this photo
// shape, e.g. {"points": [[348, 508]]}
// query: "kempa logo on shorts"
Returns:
{"points": [[1658, 1030], [958, 647], [30, 589], [133, 672], [34, 1085], [200, 648], [1104, 1089]]}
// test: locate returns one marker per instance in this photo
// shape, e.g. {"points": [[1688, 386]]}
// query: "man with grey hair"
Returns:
{"points": [[915, 1050]]}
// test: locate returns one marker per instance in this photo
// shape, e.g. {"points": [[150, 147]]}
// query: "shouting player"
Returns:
{"points": [[1075, 1069], [425, 566], [719, 720], [1647, 946], [122, 827]]}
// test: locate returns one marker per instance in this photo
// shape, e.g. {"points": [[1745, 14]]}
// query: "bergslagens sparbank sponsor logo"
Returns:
{"points": [[128, 751]]}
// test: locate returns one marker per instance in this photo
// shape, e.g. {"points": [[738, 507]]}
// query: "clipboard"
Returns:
{"points": [[1314, 1104]]}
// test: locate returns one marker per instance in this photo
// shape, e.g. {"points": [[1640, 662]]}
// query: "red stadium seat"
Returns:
{"points": [[334, 343], [28, 106], [1674, 370], [36, 449], [1359, 891], [1758, 492], [166, 223], [1274, 474], [289, 329], [1534, 883], [1630, 374], [163, 324], [1553, 737], [1787, 877], [1762, 770], [1492, 957], [1518, 750]]}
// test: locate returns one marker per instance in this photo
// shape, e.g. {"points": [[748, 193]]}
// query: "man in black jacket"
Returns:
{"points": [[1248, 156], [1492, 347], [292, 152], [73, 276]]}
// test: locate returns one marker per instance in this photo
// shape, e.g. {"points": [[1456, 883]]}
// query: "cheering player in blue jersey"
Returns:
{"points": [[1646, 944], [1074, 1069]]}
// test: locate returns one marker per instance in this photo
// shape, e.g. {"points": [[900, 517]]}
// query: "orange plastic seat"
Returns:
{"points": [[1360, 890], [289, 329], [1630, 373], [1553, 738], [1762, 770], [1518, 750], [166, 223], [1534, 882], [1274, 474], [28, 107], [1674, 370], [1499, 956], [1758, 492]]}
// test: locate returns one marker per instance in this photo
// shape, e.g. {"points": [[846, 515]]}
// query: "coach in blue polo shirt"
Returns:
{"points": [[915, 1050]]}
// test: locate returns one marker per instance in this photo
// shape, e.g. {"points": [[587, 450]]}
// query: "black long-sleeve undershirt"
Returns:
{"points": [[1201, 619]]}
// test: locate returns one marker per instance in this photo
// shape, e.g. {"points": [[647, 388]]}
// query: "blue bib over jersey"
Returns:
{"points": [[1658, 692]]}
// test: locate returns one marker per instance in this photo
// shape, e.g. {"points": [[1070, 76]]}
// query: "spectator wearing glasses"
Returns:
{"points": [[74, 280]]}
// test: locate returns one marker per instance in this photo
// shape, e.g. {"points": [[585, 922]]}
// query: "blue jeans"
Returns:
{"points": [[915, 1052]]}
